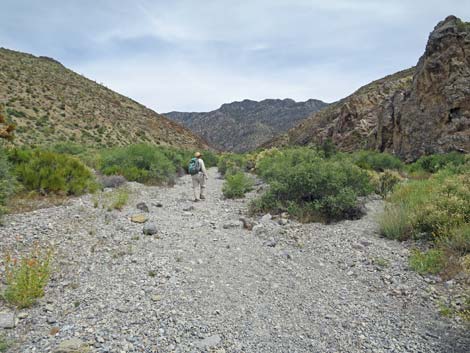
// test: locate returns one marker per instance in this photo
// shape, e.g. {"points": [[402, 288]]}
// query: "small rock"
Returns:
{"points": [[271, 243], [188, 208], [142, 206], [73, 345], [247, 224], [285, 254], [358, 246], [365, 243], [282, 221], [49, 308], [266, 218], [54, 331], [208, 342], [156, 298], [7, 320], [350, 273], [157, 204], [139, 218], [51, 320], [23, 315], [149, 229], [122, 309], [259, 229], [231, 225]]}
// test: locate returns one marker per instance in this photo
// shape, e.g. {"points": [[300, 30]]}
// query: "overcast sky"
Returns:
{"points": [[196, 55]]}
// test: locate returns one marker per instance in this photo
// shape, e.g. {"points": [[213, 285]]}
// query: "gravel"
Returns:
{"points": [[206, 283]]}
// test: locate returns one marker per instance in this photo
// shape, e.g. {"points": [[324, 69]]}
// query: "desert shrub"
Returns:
{"points": [[211, 159], [49, 172], [231, 163], [27, 277], [7, 181], [301, 180], [433, 206], [387, 182], [395, 223], [4, 344], [111, 181], [431, 261], [119, 199], [68, 148], [458, 239], [436, 162], [328, 148], [113, 200], [376, 161], [236, 185], [271, 164], [143, 163]]}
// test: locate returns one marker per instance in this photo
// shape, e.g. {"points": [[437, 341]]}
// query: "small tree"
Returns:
{"points": [[6, 129]]}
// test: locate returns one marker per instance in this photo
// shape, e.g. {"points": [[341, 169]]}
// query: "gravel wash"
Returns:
{"points": [[204, 283]]}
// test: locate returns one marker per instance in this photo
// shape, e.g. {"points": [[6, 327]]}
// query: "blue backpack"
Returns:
{"points": [[194, 166]]}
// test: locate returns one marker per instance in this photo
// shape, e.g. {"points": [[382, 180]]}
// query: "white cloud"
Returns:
{"points": [[196, 55]]}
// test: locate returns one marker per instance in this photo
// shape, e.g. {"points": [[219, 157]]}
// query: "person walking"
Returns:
{"points": [[198, 172]]}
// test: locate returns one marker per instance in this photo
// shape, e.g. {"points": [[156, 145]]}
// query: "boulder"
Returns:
{"points": [[142, 206], [149, 229], [139, 218]]}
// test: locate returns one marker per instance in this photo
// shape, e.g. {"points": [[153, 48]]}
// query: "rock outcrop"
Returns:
{"points": [[243, 126], [422, 110]]}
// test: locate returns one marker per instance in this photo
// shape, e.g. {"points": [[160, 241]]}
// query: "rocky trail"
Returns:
{"points": [[203, 283]]}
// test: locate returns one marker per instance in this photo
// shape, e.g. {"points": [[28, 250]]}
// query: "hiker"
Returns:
{"points": [[198, 172]]}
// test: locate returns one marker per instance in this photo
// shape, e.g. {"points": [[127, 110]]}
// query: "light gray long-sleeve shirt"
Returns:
{"points": [[203, 167]]}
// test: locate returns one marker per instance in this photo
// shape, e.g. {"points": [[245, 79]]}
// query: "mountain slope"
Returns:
{"points": [[49, 103], [243, 126], [418, 111]]}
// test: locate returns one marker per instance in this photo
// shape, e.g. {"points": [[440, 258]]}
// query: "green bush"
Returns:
{"points": [[394, 222], [236, 185], [4, 344], [49, 172], [431, 261], [376, 161], [7, 181], [436, 162], [143, 163], [210, 159], [27, 277], [300, 179], [231, 163], [435, 208], [458, 239], [68, 148], [387, 182]]}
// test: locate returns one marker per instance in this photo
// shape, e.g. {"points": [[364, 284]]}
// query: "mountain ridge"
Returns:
{"points": [[244, 125]]}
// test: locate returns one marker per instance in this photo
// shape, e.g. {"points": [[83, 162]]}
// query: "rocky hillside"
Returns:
{"points": [[49, 103], [425, 109], [244, 126]]}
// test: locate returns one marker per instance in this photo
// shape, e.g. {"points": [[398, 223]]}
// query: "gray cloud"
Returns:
{"points": [[196, 55]]}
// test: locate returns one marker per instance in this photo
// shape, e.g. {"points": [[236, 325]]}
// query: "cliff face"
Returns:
{"points": [[243, 126], [435, 113], [425, 109], [49, 103]]}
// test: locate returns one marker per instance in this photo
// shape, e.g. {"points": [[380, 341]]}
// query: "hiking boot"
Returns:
{"points": [[196, 200], [203, 197]]}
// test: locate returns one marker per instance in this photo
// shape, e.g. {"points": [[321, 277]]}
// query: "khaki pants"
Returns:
{"points": [[199, 185]]}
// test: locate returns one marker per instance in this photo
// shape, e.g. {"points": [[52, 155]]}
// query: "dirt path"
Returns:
{"points": [[205, 284]]}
